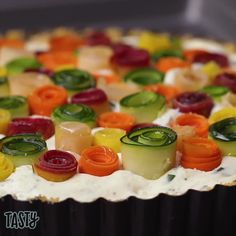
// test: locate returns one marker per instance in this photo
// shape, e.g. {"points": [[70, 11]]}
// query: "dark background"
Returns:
{"points": [[214, 18]]}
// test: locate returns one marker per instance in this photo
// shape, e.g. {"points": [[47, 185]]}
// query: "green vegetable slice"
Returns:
{"points": [[18, 65], [216, 92], [23, 149], [75, 112], [74, 80], [145, 106], [144, 76], [224, 134], [167, 53], [150, 136], [149, 152], [17, 105]]}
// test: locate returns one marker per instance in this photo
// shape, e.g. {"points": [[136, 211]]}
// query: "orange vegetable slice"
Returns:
{"points": [[66, 43], [200, 123], [202, 166], [166, 63], [168, 91], [12, 43], [116, 120], [98, 161], [55, 60], [200, 153], [45, 99]]}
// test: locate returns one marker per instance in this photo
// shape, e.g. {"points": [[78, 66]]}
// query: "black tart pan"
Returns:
{"points": [[195, 213]]}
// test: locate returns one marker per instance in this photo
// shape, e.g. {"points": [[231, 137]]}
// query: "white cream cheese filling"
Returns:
{"points": [[24, 184]]}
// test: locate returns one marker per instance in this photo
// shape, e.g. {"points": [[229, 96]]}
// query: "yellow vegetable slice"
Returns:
{"points": [[6, 167], [109, 137], [222, 114], [153, 42], [5, 119], [211, 69]]}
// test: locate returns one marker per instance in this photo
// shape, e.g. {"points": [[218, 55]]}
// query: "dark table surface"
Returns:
{"points": [[214, 18]]}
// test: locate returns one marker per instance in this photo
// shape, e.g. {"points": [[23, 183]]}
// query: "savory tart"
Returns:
{"points": [[88, 115]]}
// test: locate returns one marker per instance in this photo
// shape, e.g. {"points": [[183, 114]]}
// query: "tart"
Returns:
{"points": [[142, 142]]}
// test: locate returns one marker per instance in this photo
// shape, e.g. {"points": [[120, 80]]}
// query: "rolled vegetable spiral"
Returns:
{"points": [[116, 91], [216, 92], [154, 42], [222, 114], [95, 58], [94, 98], [45, 99], [66, 42], [6, 167], [205, 57], [189, 79], [23, 149], [145, 106], [90, 97], [57, 60], [16, 105], [56, 166], [224, 134], [109, 137], [189, 125], [167, 53], [197, 122], [127, 56], [167, 63], [144, 76], [23, 84], [97, 38], [75, 112], [28, 125], [200, 153], [116, 120], [74, 80], [14, 42], [73, 136], [149, 152], [98, 161], [211, 69], [195, 102], [18, 65], [227, 80]]}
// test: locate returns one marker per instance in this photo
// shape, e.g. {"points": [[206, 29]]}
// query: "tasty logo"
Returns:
{"points": [[21, 219]]}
